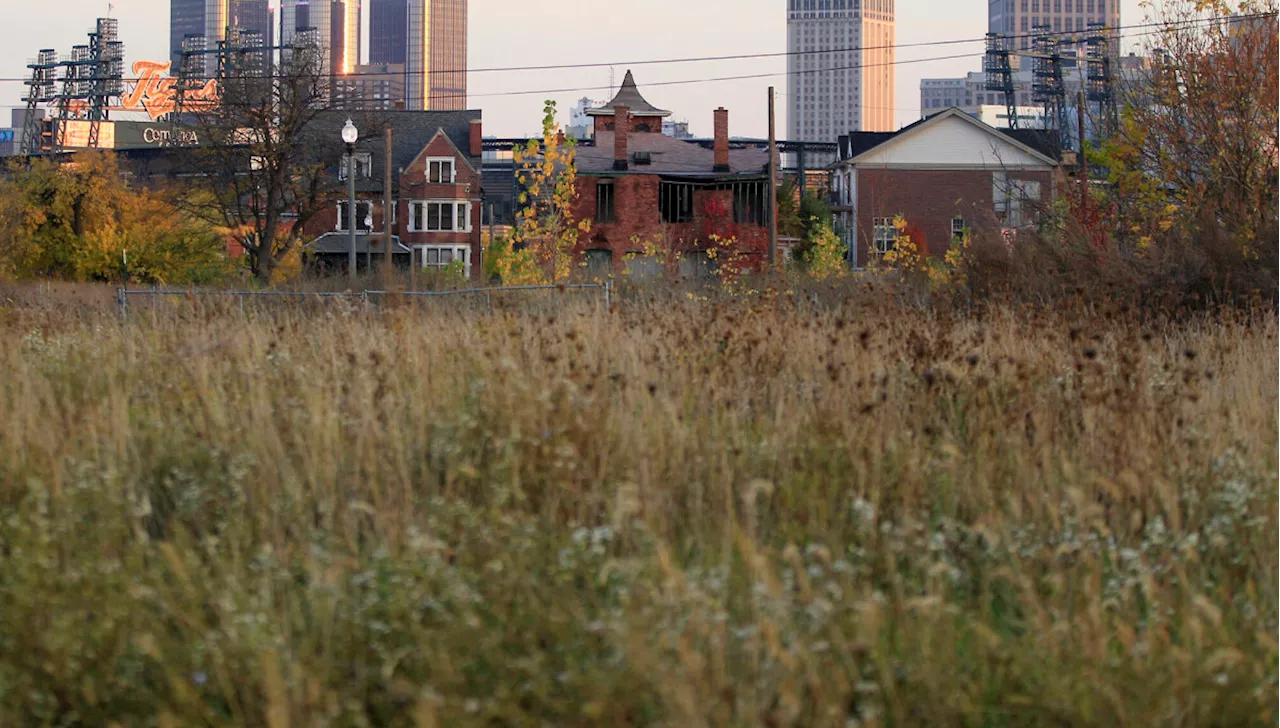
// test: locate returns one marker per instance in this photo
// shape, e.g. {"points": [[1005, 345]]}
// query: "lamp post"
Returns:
{"points": [[349, 136]]}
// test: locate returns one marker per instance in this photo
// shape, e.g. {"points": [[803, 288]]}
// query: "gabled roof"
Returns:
{"points": [[411, 132], [629, 96], [440, 135], [668, 157], [1039, 143]]}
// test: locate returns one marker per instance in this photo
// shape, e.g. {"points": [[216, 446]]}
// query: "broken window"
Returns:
{"points": [[604, 201], [750, 203], [675, 201]]}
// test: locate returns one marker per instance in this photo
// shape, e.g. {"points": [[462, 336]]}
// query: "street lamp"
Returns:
{"points": [[349, 136]]}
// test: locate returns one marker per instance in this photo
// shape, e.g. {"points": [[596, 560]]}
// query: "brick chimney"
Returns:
{"points": [[621, 127], [477, 139], [722, 140]]}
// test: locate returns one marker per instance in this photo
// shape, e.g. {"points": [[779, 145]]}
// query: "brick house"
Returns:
{"points": [[636, 185], [945, 174], [436, 191]]}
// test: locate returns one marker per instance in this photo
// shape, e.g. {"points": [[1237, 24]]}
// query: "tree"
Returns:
{"points": [[265, 156], [1194, 158], [546, 231], [76, 220]]}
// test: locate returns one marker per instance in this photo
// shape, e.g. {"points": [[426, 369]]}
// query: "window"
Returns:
{"points": [[675, 201], [364, 166], [1016, 198], [441, 256], [443, 216], [885, 233], [440, 171], [604, 200], [364, 216], [957, 229], [749, 203]]}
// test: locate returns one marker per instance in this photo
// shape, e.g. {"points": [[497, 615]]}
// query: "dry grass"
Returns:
{"points": [[688, 515]]}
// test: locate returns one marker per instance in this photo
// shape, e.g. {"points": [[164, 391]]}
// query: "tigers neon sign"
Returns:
{"points": [[155, 93]]}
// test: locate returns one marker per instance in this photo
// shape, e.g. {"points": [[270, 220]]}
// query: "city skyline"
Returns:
{"points": [[498, 26]]}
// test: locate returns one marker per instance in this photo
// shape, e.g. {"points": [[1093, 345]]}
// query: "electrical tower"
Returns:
{"points": [[999, 73], [1047, 85], [1100, 78]]}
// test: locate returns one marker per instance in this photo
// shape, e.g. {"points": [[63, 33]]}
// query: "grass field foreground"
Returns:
{"points": [[692, 514]]}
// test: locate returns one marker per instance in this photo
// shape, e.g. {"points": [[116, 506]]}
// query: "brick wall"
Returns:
{"points": [[636, 214], [929, 199]]}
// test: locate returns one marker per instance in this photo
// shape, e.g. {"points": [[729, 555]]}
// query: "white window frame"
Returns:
{"points": [[364, 166], [957, 231], [453, 169], [431, 257], [366, 205], [456, 207], [883, 234]]}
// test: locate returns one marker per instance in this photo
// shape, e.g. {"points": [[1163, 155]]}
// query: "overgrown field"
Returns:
{"points": [[686, 514]]}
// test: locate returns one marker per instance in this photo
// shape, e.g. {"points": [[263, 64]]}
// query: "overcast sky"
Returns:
{"points": [[519, 32]]}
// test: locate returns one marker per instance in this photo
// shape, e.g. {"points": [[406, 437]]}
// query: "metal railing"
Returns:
{"points": [[123, 294]]}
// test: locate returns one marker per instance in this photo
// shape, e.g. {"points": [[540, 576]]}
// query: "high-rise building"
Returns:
{"points": [[387, 31], [336, 25], [371, 86], [186, 17], [211, 18], [1019, 18], [436, 55], [839, 68]]}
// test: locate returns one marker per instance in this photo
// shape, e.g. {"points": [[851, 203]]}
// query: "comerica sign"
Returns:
{"points": [[155, 92]]}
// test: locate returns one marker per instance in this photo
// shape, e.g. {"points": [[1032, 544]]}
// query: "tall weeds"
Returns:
{"points": [[694, 514]]}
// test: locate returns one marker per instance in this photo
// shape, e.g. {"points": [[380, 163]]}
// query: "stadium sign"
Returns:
{"points": [[155, 93]]}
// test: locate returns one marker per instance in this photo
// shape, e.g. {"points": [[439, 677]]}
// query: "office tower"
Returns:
{"points": [[1071, 18], [336, 25], [839, 68], [387, 26], [186, 17], [210, 18], [436, 56]]}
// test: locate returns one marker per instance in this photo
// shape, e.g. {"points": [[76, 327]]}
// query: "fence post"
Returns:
{"points": [[122, 304], [608, 294]]}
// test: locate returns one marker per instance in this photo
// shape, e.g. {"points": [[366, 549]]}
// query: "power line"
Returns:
{"points": [[755, 56]]}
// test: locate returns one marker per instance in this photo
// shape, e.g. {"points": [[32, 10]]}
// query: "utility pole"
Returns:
{"points": [[351, 218], [387, 209], [773, 192], [1082, 164]]}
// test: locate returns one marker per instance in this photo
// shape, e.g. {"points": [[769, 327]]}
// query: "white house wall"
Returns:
{"points": [[949, 143]]}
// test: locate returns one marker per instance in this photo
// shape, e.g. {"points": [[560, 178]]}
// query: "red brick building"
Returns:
{"points": [[437, 194], [638, 186], [945, 175]]}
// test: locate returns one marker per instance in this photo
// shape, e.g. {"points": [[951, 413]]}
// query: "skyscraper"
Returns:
{"points": [[387, 31], [186, 17], [436, 55], [1019, 17], [211, 18], [336, 24], [839, 68]]}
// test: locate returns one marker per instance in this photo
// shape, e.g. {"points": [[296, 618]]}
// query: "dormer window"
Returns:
{"points": [[441, 171], [364, 166]]}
